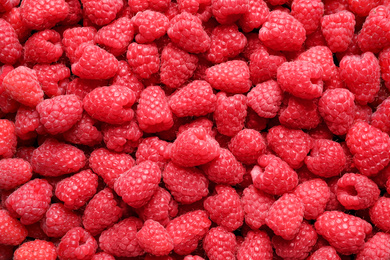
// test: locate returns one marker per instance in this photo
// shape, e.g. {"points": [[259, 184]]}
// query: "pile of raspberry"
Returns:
{"points": [[194, 129]]}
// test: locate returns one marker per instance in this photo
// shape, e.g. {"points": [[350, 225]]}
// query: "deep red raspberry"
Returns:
{"points": [[346, 233], [74, 37], [10, 48], [30, 201], [27, 123], [201, 8], [198, 122], [315, 39], [81, 87], [226, 11], [84, 132], [143, 59], [43, 47], [379, 214], [75, 13], [247, 146], [125, 77], [265, 99], [149, 26], [112, 242], [363, 7], [187, 230], [256, 244], [363, 113], [11, 231], [101, 12], [58, 220], [6, 5], [377, 247], [325, 252], [384, 62], [14, 172], [102, 256], [124, 138], [380, 116], [8, 139], [322, 56], [369, 146], [37, 249], [333, 203], [252, 46], [54, 158], [25, 153], [321, 132], [220, 244], [153, 149], [52, 78], [309, 13], [256, 15], [254, 121], [13, 17], [75, 244], [195, 257]]}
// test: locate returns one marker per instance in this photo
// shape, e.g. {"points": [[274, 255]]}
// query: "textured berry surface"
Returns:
{"points": [[11, 230], [43, 47], [143, 59], [149, 25], [377, 246], [52, 78], [74, 37], [58, 220], [256, 15], [379, 214], [220, 244], [256, 244], [75, 244], [228, 11], [101, 12], [10, 47], [14, 172], [247, 145], [122, 138], [309, 13], [37, 249]]}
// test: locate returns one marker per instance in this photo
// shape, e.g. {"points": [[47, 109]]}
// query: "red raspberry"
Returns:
{"points": [[229, 11], [143, 59], [256, 15], [149, 26], [377, 247], [200, 8], [116, 36], [154, 238], [187, 185], [309, 13], [54, 158], [257, 245], [37, 249], [321, 132], [285, 216], [226, 42], [124, 138], [102, 256], [346, 233], [232, 77], [379, 214], [74, 37], [102, 211], [247, 146], [15, 20], [153, 113], [225, 208], [363, 113], [374, 36], [141, 5], [252, 46], [10, 48], [77, 190], [338, 29], [101, 12], [186, 31], [76, 244], [193, 147], [325, 252], [384, 62], [191, 257], [315, 39], [6, 6], [135, 191], [43, 47], [30, 201], [254, 121], [370, 148], [125, 77], [25, 153], [256, 204], [11, 231], [84, 132], [380, 116], [302, 79], [220, 244], [282, 32], [58, 220], [22, 85], [75, 13], [93, 62], [14, 172], [52, 78], [153, 149], [187, 230], [322, 56], [111, 240], [81, 87], [265, 99], [363, 7], [199, 122], [8, 139], [194, 99], [276, 177]]}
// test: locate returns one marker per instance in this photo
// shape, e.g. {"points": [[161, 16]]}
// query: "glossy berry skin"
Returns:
{"points": [[37, 249], [52, 78], [84, 132], [149, 26], [265, 98], [309, 13], [43, 47], [14, 172], [143, 59], [322, 56], [74, 37], [11, 230], [11, 49], [380, 116], [256, 244], [228, 11], [377, 247], [122, 138], [101, 12], [254, 146], [255, 17], [8, 138], [379, 214], [220, 244], [75, 244], [153, 149]]}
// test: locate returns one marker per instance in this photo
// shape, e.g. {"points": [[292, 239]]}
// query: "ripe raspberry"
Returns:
{"points": [[124, 138], [14, 172], [384, 62], [37, 249], [6, 6], [22, 85], [377, 247], [254, 121], [220, 244], [54, 158], [125, 77], [116, 36], [58, 220], [101, 12], [11, 231], [256, 245], [154, 238], [52, 78], [15, 20], [76, 244], [30, 201], [193, 147], [43, 47], [256, 15], [75, 13], [325, 252], [226, 12], [322, 56], [93, 62], [149, 26], [111, 240], [363, 113], [74, 37], [346, 233], [315, 39], [302, 79], [380, 116], [143, 59], [198, 122], [153, 113], [186, 31], [195, 99], [252, 46], [84, 132], [379, 214], [187, 230], [338, 29], [265, 99], [81, 87], [309, 13], [8, 139], [369, 146], [102, 256], [10, 48], [153, 149], [226, 42], [191, 257], [247, 146], [363, 7]]}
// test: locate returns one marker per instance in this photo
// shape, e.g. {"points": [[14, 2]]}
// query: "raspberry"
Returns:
{"points": [[74, 37], [225, 208], [76, 244], [325, 252], [199, 122], [125, 77], [322, 56], [14, 172], [377, 247], [315, 39], [27, 122], [157, 5], [302, 79], [102, 256], [93, 62], [226, 42], [112, 242], [193, 147], [282, 32], [52, 77], [363, 7], [384, 62], [226, 11], [256, 15], [101, 12], [254, 121], [220, 244], [135, 191], [365, 85], [338, 29], [6, 6], [37, 249], [143, 59], [256, 245], [153, 149], [191, 257], [285, 216], [8, 139], [11, 231], [116, 36], [194, 99], [84, 132], [300, 246], [153, 113], [187, 185], [276, 177], [309, 13], [58, 220], [379, 117], [369, 147], [75, 13], [149, 26], [22, 85], [379, 214], [346, 233], [10, 48], [81, 87], [43, 47], [123, 138], [247, 145], [186, 31], [15, 20], [154, 238], [30, 201], [54, 158], [187, 230]]}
